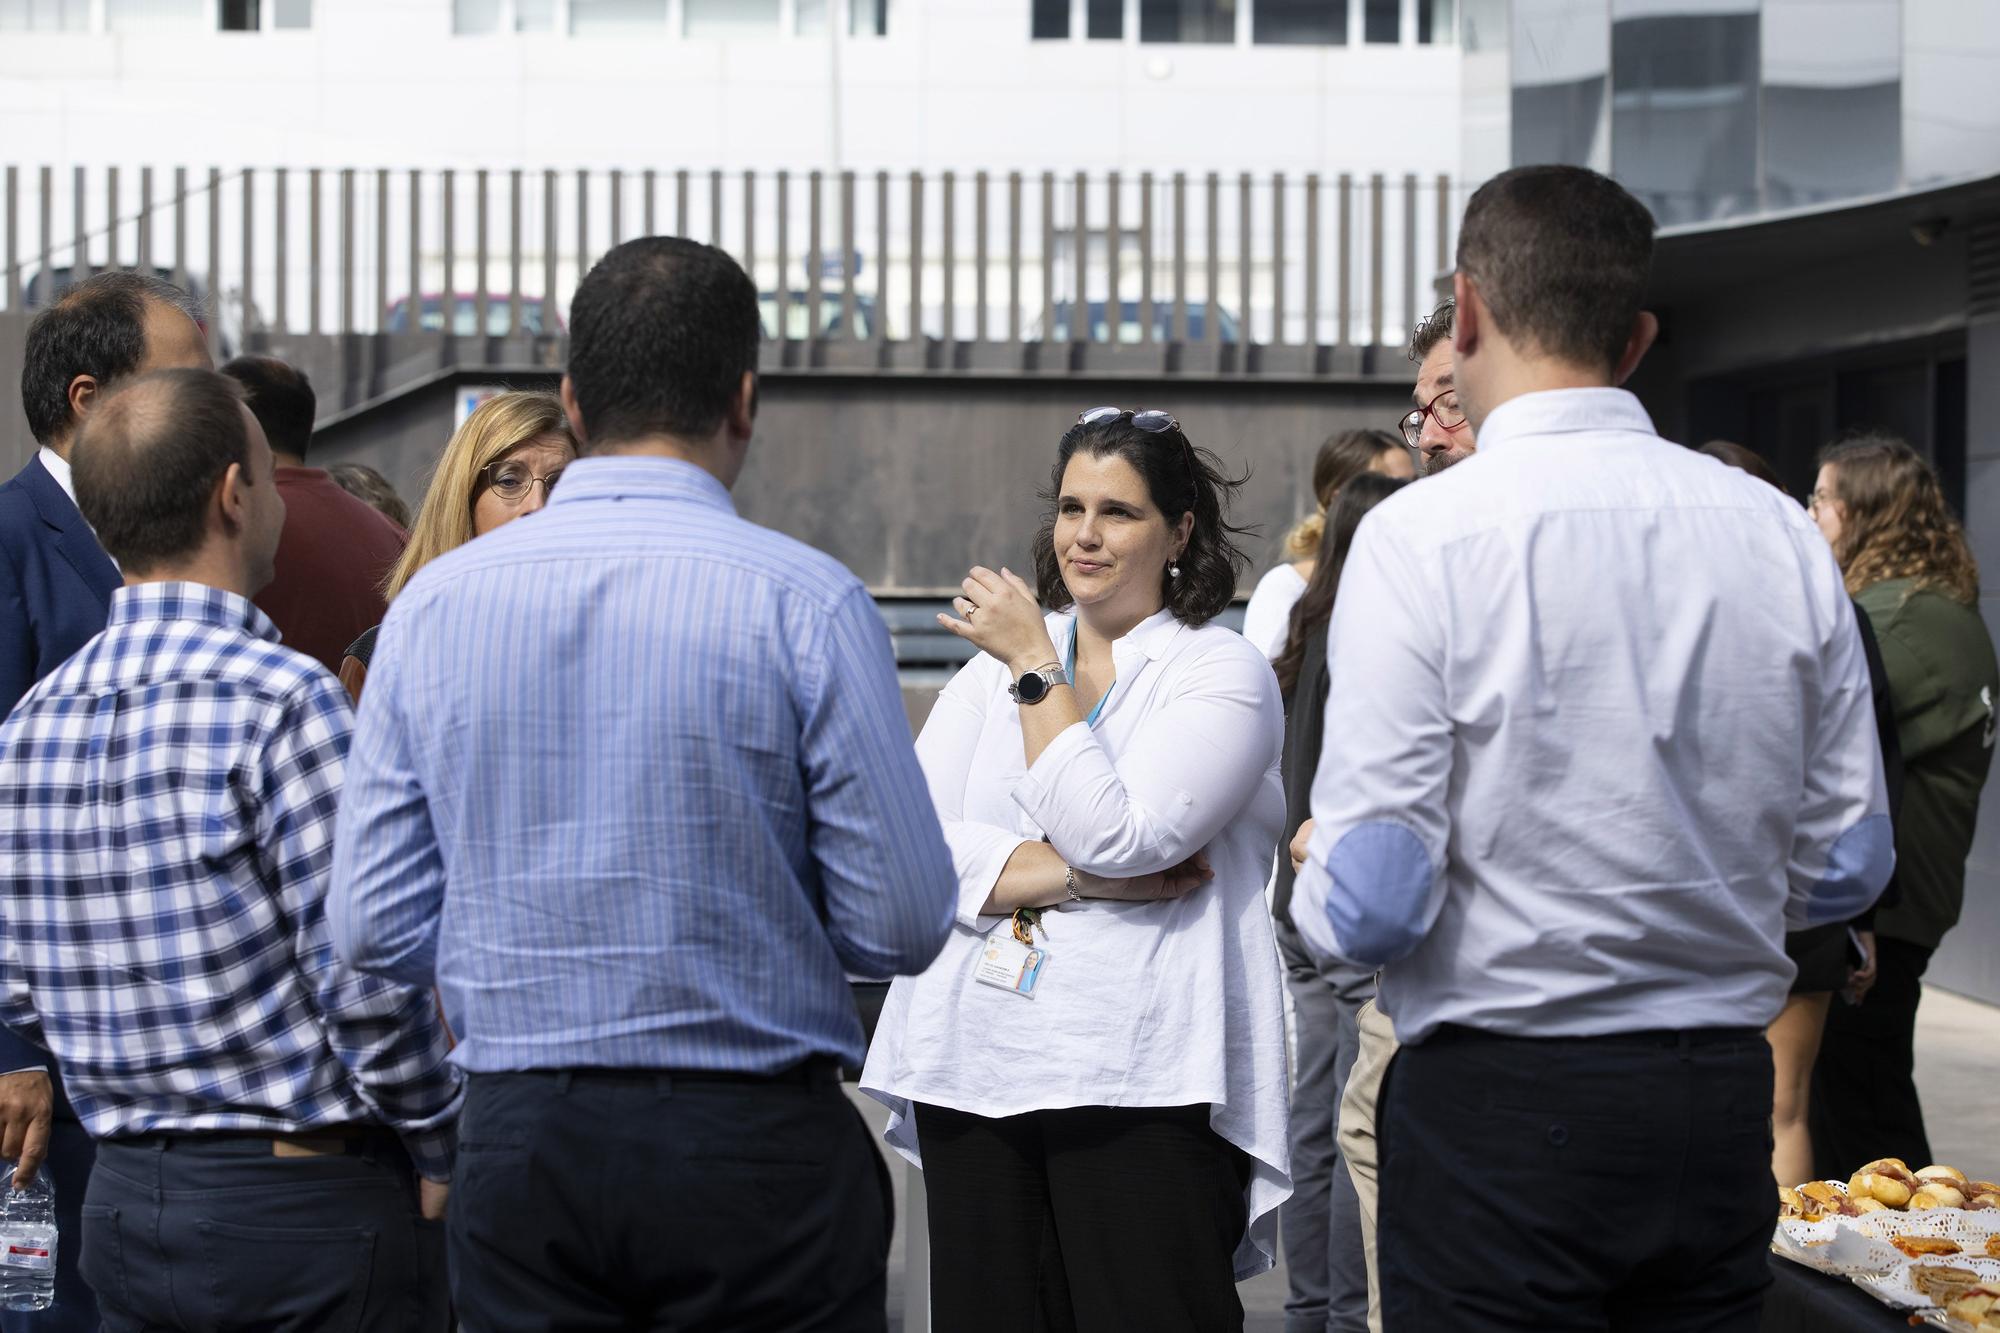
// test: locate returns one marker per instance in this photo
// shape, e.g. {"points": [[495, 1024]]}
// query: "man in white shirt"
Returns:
{"points": [[1599, 733]]}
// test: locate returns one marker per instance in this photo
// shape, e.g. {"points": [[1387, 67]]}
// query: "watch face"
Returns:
{"points": [[1031, 688]]}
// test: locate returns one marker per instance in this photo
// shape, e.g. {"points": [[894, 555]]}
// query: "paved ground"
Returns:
{"points": [[1958, 1071]]}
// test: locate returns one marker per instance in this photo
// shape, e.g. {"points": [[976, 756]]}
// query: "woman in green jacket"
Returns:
{"points": [[1905, 559]]}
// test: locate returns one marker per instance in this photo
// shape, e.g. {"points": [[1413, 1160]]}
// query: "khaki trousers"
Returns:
{"points": [[1358, 1145]]}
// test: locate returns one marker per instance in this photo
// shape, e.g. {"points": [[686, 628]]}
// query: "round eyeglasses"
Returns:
{"points": [[1442, 409], [511, 480]]}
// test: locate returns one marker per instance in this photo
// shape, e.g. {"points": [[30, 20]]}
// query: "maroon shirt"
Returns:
{"points": [[332, 558]]}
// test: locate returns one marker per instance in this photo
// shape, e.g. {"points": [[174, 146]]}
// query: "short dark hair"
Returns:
{"points": [[96, 327], [1179, 478], [661, 332], [370, 487], [1743, 459], [1561, 256], [280, 397], [147, 461], [1432, 329]]}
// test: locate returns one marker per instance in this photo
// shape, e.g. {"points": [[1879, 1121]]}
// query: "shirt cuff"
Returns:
{"points": [[433, 1151], [31, 1069], [979, 853]]}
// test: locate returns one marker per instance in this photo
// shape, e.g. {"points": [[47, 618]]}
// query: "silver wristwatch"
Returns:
{"points": [[1035, 686]]}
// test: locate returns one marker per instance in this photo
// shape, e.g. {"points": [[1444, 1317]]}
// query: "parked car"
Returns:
{"points": [[1099, 330], [45, 285], [799, 323], [465, 315]]}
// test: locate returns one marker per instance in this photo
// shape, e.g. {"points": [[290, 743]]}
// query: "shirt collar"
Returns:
{"points": [[1149, 637], [624, 477], [1563, 411], [181, 600], [58, 467]]}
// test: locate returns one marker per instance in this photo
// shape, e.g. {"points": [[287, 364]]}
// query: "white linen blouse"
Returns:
{"points": [[1267, 621], [1139, 1004]]}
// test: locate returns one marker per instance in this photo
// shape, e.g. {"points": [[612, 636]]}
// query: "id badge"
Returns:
{"points": [[1010, 965]]}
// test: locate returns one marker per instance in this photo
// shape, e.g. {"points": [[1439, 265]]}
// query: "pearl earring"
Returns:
{"points": [[1174, 570]]}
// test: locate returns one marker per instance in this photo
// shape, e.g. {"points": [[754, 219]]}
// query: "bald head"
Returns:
{"points": [[149, 460]]}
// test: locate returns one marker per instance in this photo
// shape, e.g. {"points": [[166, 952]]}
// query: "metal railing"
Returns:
{"points": [[1272, 271]]}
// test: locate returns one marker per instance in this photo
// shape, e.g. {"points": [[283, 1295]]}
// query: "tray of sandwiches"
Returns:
{"points": [[1927, 1242]]}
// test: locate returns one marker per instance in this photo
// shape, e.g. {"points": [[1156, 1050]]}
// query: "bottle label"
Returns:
{"points": [[30, 1254]]}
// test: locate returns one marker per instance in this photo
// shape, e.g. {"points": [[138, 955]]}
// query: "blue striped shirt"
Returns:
{"points": [[632, 782], [167, 803]]}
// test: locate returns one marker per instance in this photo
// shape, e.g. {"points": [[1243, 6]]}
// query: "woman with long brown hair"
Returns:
{"points": [[1345, 455], [1320, 1224], [1905, 560], [499, 466]]}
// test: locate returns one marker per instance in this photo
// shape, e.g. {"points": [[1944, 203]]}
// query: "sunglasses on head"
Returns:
{"points": [[1153, 422]]}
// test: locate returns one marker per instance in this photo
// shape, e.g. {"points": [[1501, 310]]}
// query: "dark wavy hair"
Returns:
{"points": [[1179, 478], [1314, 609]]}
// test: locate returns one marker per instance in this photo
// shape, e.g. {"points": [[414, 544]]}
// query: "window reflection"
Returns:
{"points": [[1684, 106]]}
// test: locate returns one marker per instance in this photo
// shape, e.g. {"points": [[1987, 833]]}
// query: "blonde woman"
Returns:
{"points": [[1906, 562], [500, 465], [1345, 456]]}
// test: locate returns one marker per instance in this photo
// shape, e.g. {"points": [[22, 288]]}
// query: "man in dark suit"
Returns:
{"points": [[55, 591]]}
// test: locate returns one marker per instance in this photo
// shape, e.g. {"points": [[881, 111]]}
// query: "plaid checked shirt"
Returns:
{"points": [[167, 803]]}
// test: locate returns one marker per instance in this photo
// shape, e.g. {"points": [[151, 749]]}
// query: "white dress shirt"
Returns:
{"points": [[58, 467], [1599, 733], [1139, 1004], [1267, 621]]}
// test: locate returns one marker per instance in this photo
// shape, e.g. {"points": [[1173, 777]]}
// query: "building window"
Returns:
{"points": [[534, 15], [616, 18], [154, 15], [725, 19], [470, 18], [1382, 21], [1299, 22], [1050, 21], [868, 18], [1104, 20], [291, 15], [1436, 21], [44, 15], [1187, 20]]}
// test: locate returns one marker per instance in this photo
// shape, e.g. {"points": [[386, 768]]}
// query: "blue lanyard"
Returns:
{"points": [[1069, 669]]}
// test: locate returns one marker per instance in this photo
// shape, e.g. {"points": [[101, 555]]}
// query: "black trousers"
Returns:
{"points": [[220, 1233], [1864, 1089], [587, 1200], [1604, 1183], [1084, 1220]]}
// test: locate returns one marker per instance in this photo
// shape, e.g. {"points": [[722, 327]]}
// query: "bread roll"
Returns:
{"points": [[1792, 1204], [1979, 1203], [1949, 1175], [1882, 1187], [1937, 1195], [1869, 1206]]}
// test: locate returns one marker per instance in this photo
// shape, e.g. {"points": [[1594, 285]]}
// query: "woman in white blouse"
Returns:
{"points": [[1345, 456], [1101, 1113]]}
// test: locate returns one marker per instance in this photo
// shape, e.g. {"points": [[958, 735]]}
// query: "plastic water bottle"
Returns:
{"points": [[27, 1242]]}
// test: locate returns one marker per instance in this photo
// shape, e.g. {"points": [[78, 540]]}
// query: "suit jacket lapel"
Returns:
{"points": [[73, 536]]}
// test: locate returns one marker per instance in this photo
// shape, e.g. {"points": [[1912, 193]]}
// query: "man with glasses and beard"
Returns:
{"points": [[1436, 428]]}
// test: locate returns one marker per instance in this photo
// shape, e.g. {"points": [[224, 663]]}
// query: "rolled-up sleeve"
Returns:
{"points": [[1843, 847], [1180, 780], [945, 748], [884, 868], [1372, 884]]}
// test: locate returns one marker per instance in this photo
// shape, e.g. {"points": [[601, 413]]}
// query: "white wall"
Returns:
{"points": [[956, 84]]}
